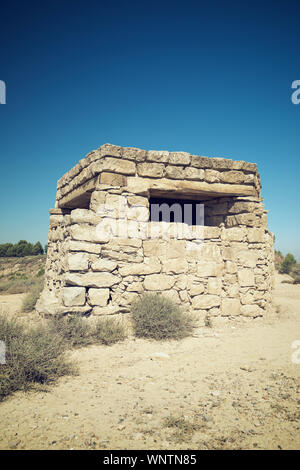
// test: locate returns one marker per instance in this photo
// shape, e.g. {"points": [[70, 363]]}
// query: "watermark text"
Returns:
{"points": [[295, 97], [295, 357], [2, 92], [2, 353]]}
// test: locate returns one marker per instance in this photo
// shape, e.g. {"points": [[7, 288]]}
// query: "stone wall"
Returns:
{"points": [[103, 252]]}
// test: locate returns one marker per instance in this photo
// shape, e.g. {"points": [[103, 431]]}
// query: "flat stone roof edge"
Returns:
{"points": [[140, 156]]}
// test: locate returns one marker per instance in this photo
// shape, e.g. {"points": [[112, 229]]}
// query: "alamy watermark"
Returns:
{"points": [[2, 353], [177, 221], [2, 92], [295, 357], [295, 97]]}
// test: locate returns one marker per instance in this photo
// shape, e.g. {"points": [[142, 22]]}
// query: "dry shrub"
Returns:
{"points": [[109, 331], [154, 316], [32, 356], [182, 427], [74, 330], [77, 331], [36, 355]]}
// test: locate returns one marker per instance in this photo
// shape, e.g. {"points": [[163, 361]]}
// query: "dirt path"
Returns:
{"points": [[11, 303], [226, 388]]}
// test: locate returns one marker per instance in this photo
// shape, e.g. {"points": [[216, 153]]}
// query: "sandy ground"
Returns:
{"points": [[225, 388]]}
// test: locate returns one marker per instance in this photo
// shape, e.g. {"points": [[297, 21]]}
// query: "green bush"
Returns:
{"points": [[296, 270], [287, 264], [32, 356], [4, 247], [157, 317], [37, 249], [40, 273]]}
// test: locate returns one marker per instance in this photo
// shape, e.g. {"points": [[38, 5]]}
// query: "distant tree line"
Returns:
{"points": [[20, 249]]}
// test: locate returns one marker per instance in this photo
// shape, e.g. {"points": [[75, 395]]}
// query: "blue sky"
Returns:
{"points": [[210, 78]]}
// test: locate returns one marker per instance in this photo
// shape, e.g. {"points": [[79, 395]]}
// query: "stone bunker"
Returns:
{"points": [[191, 227]]}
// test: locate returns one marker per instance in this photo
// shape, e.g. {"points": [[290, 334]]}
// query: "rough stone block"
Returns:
{"points": [[246, 277], [92, 279], [233, 176], [98, 297], [138, 213], [132, 153], [104, 264], [110, 310], [83, 232], [176, 249], [85, 216], [237, 207], [234, 234], [222, 163], [138, 201], [97, 199], [230, 307], [246, 258], [195, 288], [158, 282], [73, 296], [251, 311], [179, 158], [73, 245], [205, 301], [112, 179], [150, 266], [154, 248], [78, 261], [117, 165], [214, 286], [212, 176], [191, 173], [251, 220], [136, 286], [175, 266], [209, 252], [201, 162], [111, 150], [157, 156], [231, 268], [256, 235], [152, 170], [209, 269], [174, 172]]}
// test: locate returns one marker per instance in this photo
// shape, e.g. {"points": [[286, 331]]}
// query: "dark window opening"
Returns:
{"points": [[79, 202], [186, 211]]}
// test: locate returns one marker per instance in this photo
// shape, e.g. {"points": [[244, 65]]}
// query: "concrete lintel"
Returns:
{"points": [[163, 186]]}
